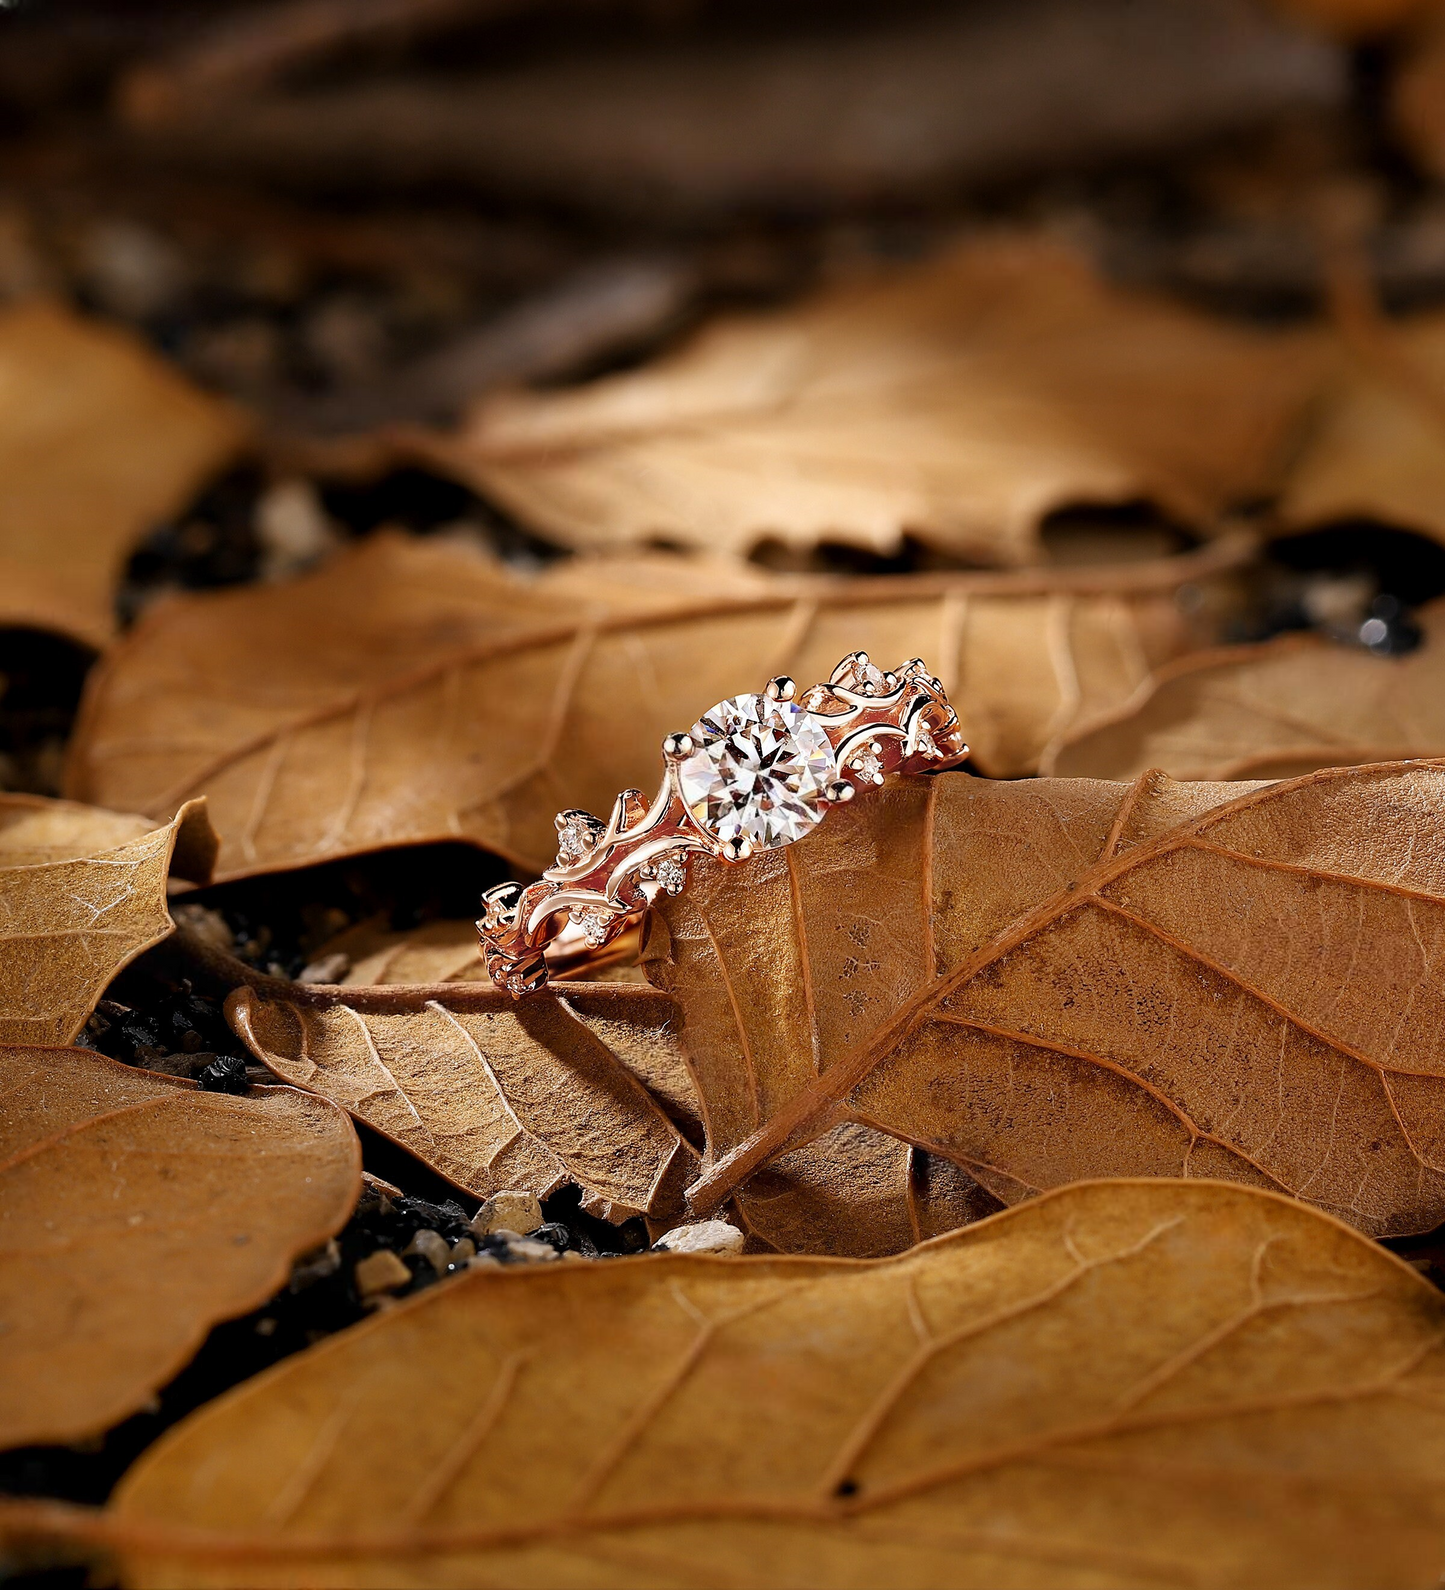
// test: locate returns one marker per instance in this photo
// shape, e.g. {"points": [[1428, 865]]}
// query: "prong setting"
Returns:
{"points": [[677, 746], [781, 689]]}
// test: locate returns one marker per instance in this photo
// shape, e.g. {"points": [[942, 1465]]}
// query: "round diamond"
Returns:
{"points": [[758, 771], [672, 874]]}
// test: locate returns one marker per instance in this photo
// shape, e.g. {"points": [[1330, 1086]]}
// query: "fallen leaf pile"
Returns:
{"points": [[438, 699], [996, 1186], [497, 1095], [1053, 980], [969, 1412]]}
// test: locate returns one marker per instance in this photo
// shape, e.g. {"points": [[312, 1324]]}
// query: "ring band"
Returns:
{"points": [[753, 773]]}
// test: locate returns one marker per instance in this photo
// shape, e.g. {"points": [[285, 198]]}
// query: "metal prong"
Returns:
{"points": [[677, 745], [861, 658], [781, 689], [735, 849], [839, 791], [503, 893]]}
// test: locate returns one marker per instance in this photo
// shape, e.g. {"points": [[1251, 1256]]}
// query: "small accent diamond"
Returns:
{"points": [[927, 745], [595, 925], [861, 676], [867, 762], [672, 874], [577, 832]]}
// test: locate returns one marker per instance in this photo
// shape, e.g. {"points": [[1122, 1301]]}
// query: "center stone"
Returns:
{"points": [[758, 771]]}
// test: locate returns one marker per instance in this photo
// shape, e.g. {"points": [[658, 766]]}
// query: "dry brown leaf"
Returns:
{"points": [[1376, 447], [82, 893], [227, 666], [1060, 979], [1126, 1384], [135, 1212], [960, 402], [857, 1193], [443, 951], [101, 439], [548, 1095], [1289, 706], [402, 711], [494, 1094]]}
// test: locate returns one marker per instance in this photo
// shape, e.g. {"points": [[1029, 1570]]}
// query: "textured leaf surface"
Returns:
{"points": [[1124, 1384], [443, 951], [99, 440], [135, 1212], [1270, 711], [420, 701], [82, 893], [496, 1094], [1052, 980], [493, 1094], [961, 401]]}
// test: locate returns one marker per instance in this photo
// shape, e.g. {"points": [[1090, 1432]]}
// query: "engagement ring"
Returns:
{"points": [[753, 773]]}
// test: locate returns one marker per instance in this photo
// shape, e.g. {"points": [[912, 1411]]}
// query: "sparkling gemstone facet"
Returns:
{"points": [[577, 832], [672, 874], [758, 771], [595, 925]]}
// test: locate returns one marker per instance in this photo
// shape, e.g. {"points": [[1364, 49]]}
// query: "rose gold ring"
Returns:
{"points": [[753, 773]]}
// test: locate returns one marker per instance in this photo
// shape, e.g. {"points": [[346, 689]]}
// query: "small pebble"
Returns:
{"points": [[553, 1232], [329, 969], [207, 925], [432, 1247], [510, 1210], [294, 532], [132, 269], [524, 1249], [707, 1236], [382, 1271], [463, 1250]]}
